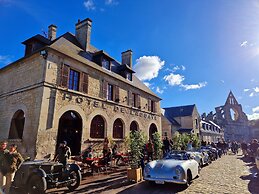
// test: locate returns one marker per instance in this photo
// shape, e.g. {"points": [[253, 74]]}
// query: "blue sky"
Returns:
{"points": [[188, 52]]}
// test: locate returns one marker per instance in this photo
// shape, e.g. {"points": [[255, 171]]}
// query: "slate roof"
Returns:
{"points": [[179, 111], [182, 130], [38, 37], [69, 45]]}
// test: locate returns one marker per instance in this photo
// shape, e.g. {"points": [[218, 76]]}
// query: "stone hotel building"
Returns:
{"points": [[66, 89]]}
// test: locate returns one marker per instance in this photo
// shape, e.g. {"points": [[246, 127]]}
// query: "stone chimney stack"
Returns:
{"points": [[83, 33], [52, 32], [126, 58]]}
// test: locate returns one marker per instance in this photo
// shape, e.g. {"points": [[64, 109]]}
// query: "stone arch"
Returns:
{"points": [[118, 131], [134, 126], [70, 130], [152, 130], [97, 128], [17, 125], [106, 124]]}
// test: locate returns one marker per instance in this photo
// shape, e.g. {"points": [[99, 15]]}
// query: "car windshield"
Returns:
{"points": [[177, 155]]}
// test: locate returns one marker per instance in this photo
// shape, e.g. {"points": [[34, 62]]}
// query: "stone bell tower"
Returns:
{"points": [[232, 118]]}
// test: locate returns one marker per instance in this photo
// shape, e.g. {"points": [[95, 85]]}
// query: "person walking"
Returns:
{"points": [[15, 160], [4, 163], [244, 148], [150, 150], [63, 153]]}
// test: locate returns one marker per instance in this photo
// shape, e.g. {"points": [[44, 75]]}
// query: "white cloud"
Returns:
{"points": [[256, 89], [4, 59], [194, 86], [111, 2], [252, 94], [183, 68], [253, 116], [147, 84], [256, 109], [147, 67], [89, 4], [174, 79], [160, 91], [246, 90], [244, 43], [222, 81], [255, 92]]}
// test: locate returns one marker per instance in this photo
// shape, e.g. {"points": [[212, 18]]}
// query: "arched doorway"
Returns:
{"points": [[70, 130], [152, 130], [17, 125], [134, 126], [97, 127], [117, 129]]}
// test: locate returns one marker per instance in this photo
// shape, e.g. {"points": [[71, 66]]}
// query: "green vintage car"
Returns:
{"points": [[38, 176]]}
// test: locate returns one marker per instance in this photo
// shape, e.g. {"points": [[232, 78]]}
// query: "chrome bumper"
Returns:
{"points": [[177, 181]]}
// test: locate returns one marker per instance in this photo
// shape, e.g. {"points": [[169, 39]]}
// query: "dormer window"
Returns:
{"points": [[129, 76], [106, 64]]}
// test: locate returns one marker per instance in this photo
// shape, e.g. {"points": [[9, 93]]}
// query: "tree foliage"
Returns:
{"points": [[158, 144], [136, 145], [181, 140]]}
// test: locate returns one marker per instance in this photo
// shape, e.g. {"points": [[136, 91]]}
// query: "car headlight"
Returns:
{"points": [[179, 172], [147, 170]]}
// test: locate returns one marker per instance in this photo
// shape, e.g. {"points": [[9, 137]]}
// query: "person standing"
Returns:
{"points": [[4, 163], [244, 148], [16, 160], [105, 146], [150, 150], [166, 145], [189, 146], [63, 153]]}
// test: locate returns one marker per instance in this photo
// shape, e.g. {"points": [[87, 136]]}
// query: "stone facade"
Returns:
{"points": [[186, 117], [33, 85], [232, 118], [210, 131]]}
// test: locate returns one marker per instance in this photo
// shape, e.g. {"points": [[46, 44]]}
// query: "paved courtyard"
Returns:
{"points": [[230, 174]]}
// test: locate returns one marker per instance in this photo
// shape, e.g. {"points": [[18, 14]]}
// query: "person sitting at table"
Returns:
{"points": [[115, 154], [87, 156], [106, 159]]}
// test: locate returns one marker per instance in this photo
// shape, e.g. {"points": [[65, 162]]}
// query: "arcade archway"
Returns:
{"points": [[70, 130]]}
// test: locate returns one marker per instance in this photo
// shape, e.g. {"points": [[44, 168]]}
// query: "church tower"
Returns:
{"points": [[232, 118]]}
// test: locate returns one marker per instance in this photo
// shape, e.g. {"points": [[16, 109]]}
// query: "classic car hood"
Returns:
{"points": [[166, 164]]}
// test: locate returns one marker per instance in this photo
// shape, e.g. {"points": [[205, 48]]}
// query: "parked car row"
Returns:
{"points": [[179, 167]]}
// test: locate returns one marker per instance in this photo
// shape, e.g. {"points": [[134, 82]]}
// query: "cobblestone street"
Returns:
{"points": [[229, 174]]}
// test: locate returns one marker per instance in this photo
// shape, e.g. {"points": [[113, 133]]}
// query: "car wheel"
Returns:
{"points": [[76, 175], [37, 184], [189, 178]]}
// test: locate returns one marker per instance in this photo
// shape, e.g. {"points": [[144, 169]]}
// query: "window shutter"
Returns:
{"points": [[117, 94], [84, 83], [105, 85], [64, 75], [129, 98], [138, 101], [155, 108], [149, 105]]}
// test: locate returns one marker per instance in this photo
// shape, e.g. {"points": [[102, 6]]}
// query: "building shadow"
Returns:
{"points": [[253, 185]]}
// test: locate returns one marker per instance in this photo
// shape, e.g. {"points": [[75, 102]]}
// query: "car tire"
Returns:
{"points": [[189, 178], [75, 174], [37, 184]]}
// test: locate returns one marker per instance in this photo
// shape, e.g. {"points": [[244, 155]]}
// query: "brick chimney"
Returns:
{"points": [[126, 58], [83, 33], [52, 32]]}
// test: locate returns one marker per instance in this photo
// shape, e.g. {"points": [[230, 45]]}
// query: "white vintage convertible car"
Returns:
{"points": [[177, 167]]}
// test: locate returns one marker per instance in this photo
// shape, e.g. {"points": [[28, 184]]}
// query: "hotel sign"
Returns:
{"points": [[116, 108]]}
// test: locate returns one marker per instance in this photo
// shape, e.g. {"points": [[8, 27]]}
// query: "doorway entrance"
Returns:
{"points": [[152, 130], [70, 130]]}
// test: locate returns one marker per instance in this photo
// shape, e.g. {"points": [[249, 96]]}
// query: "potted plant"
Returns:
{"points": [[136, 145]]}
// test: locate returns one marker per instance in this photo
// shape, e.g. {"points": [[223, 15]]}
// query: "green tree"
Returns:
{"points": [[157, 145], [136, 145]]}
